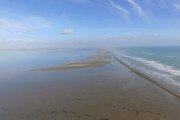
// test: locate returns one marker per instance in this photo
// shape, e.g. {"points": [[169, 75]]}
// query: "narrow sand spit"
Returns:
{"points": [[77, 65], [97, 59]]}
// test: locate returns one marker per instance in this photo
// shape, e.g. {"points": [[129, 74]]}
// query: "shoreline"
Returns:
{"points": [[168, 89]]}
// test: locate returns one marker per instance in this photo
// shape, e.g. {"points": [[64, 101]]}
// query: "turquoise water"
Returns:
{"points": [[163, 63]]}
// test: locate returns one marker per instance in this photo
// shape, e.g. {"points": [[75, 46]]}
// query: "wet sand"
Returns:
{"points": [[106, 92]]}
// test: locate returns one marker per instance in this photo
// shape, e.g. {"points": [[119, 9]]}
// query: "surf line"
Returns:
{"points": [[168, 89]]}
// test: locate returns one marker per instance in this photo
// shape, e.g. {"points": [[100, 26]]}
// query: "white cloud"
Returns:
{"points": [[137, 7], [24, 23], [12, 24], [39, 21], [68, 32], [106, 4], [82, 1], [118, 7], [176, 5]]}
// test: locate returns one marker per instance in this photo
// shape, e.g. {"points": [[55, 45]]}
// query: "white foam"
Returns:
{"points": [[169, 56], [148, 53], [165, 77], [164, 68]]}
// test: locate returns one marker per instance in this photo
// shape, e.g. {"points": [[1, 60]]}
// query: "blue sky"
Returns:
{"points": [[62, 20]]}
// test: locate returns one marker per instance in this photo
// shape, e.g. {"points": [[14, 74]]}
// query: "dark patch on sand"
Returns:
{"points": [[114, 106], [3, 108], [74, 113], [54, 112], [87, 115], [64, 111], [79, 99]]}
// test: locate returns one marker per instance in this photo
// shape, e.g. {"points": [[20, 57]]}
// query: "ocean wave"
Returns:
{"points": [[154, 64], [160, 76], [169, 56]]}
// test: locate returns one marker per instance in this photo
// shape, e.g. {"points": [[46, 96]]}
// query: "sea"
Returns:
{"points": [[160, 63], [20, 65]]}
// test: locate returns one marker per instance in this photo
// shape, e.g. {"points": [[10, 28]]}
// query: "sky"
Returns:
{"points": [[85, 22]]}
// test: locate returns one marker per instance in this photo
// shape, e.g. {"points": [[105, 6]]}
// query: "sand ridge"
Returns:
{"points": [[97, 59], [76, 66]]}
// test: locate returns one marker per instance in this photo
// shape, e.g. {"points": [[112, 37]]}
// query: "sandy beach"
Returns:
{"points": [[96, 88]]}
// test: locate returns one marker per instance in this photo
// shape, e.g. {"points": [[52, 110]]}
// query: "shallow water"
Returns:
{"points": [[18, 63], [108, 92], [19, 68]]}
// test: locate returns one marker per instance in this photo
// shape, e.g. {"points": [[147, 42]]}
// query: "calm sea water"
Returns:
{"points": [[19, 65], [163, 63]]}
